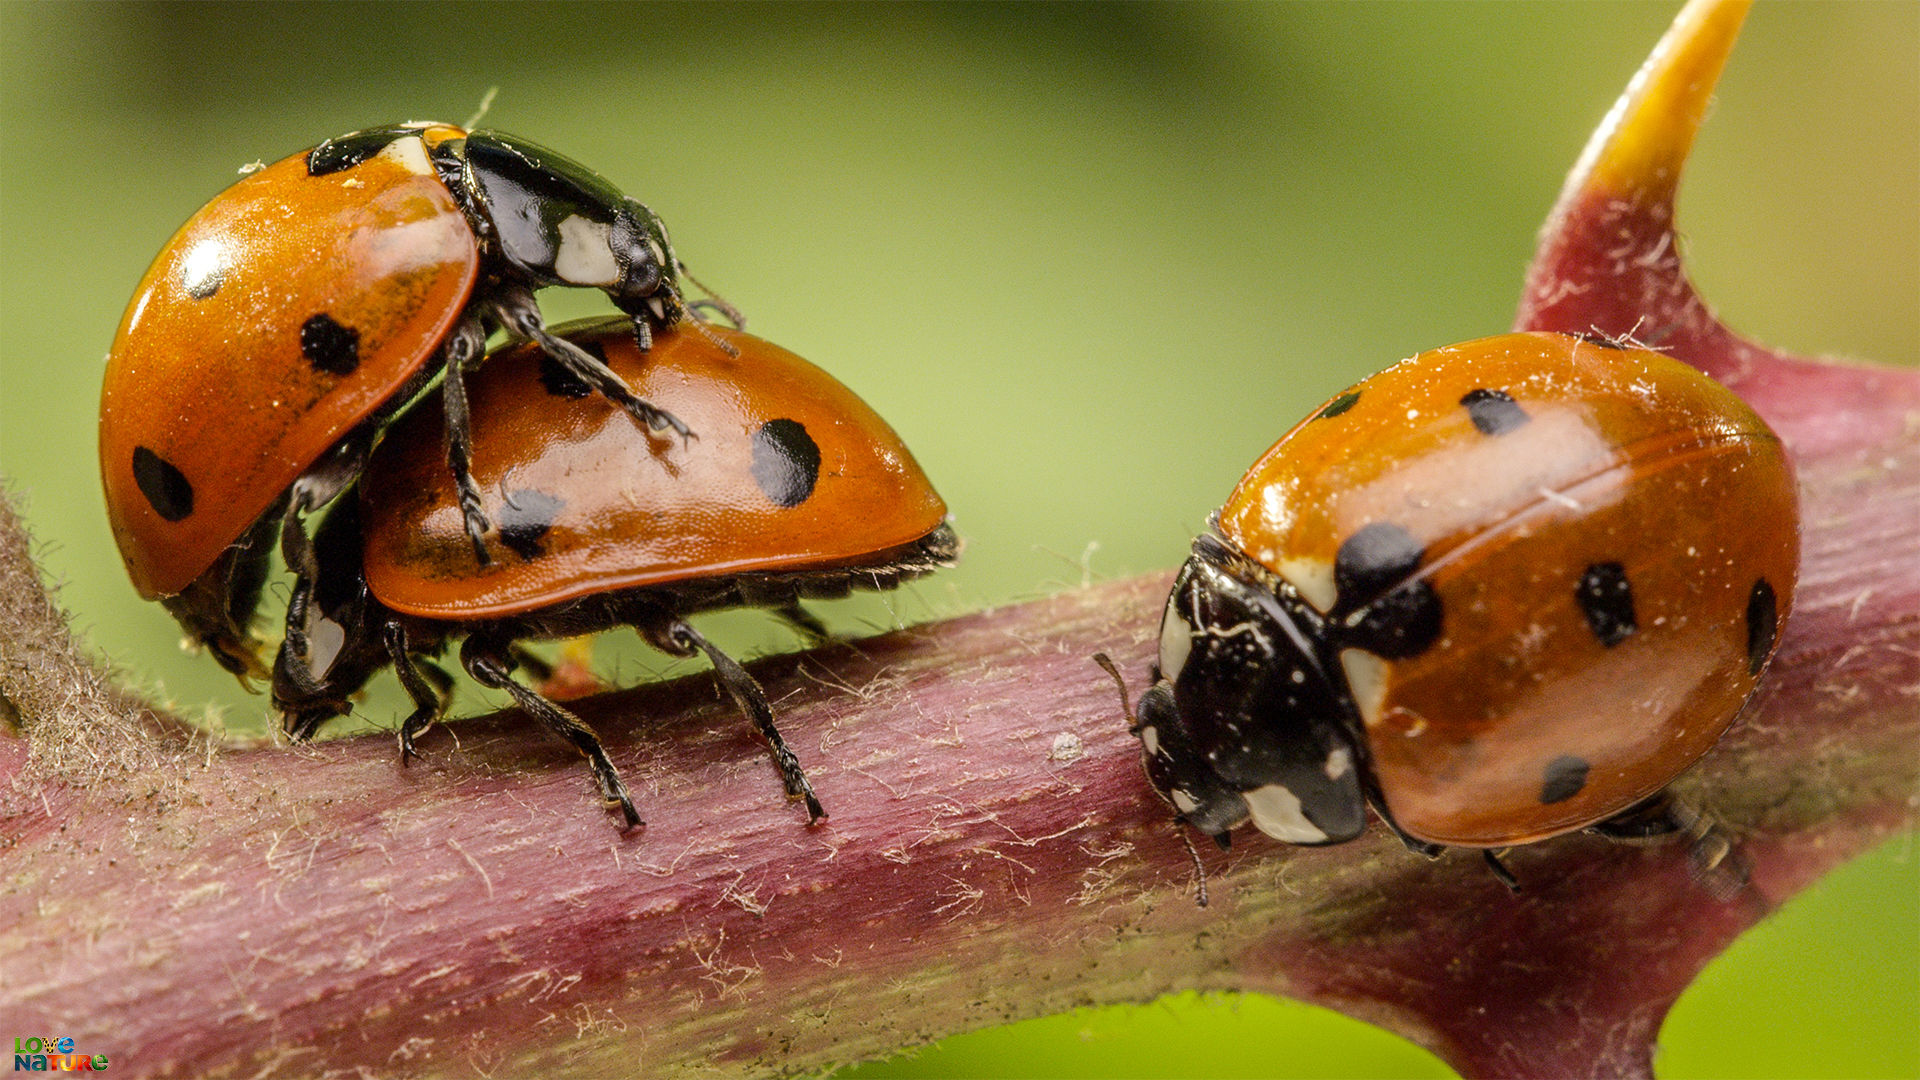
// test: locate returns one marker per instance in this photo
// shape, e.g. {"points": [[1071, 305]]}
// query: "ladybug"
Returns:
{"points": [[292, 314], [1499, 591], [799, 491]]}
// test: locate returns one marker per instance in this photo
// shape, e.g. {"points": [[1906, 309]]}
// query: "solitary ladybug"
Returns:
{"points": [[1499, 591], [798, 491], [292, 314]]}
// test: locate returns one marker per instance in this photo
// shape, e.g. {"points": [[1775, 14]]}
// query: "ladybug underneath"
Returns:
{"points": [[1500, 591], [798, 491], [292, 314]]}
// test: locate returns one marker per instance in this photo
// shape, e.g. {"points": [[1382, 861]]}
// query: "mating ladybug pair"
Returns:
{"points": [[288, 319], [1498, 592], [550, 491]]}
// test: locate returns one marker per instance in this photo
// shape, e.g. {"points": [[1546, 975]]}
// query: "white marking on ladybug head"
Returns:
{"points": [[1276, 812], [1176, 642], [1182, 801], [1339, 763], [1150, 739], [585, 255], [410, 154], [324, 641], [1366, 682], [1313, 577]]}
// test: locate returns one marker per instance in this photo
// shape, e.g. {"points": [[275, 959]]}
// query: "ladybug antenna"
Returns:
{"points": [[1106, 664], [689, 313], [1179, 823], [712, 302], [1199, 869]]}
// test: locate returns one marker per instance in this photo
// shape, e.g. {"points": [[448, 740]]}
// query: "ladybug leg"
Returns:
{"points": [[804, 623], [464, 349], [1500, 869], [428, 703], [1716, 863], [317, 487], [532, 663], [489, 665], [518, 312], [674, 636]]}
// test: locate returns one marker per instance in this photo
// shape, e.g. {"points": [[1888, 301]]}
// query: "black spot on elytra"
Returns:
{"points": [[336, 155], [786, 461], [1374, 560], [525, 519], [1564, 778], [1494, 412], [165, 486], [1338, 405], [329, 346], [561, 382], [1399, 625], [1606, 599], [1379, 608], [1763, 623]]}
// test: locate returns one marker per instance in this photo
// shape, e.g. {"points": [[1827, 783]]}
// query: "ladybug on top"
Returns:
{"points": [[293, 314]]}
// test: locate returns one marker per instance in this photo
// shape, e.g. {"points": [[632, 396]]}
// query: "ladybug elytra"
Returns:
{"points": [[1500, 591], [291, 315], [797, 491]]}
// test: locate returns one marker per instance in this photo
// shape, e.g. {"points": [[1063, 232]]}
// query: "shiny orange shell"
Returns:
{"points": [[790, 471], [281, 314], [1613, 541]]}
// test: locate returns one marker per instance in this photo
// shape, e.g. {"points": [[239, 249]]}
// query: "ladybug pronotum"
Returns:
{"points": [[1499, 592], [293, 313], [798, 491]]}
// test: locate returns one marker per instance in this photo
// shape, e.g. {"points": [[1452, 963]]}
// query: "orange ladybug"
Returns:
{"points": [[798, 491], [289, 316], [1499, 591]]}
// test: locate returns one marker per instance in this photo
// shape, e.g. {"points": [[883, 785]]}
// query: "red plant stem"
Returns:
{"points": [[993, 854]]}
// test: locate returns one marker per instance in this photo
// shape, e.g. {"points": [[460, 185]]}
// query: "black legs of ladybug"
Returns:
{"points": [[1661, 818], [490, 665], [428, 701], [674, 636], [1499, 869], [464, 350], [516, 310], [1220, 839], [317, 487], [804, 623]]}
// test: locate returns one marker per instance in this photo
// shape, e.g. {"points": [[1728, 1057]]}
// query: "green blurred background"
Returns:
{"points": [[1088, 260]]}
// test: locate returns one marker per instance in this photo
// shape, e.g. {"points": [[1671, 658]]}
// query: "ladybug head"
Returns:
{"points": [[334, 642], [1245, 723], [649, 282]]}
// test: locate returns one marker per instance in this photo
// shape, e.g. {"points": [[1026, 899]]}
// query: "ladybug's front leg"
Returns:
{"points": [[515, 308], [463, 352]]}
